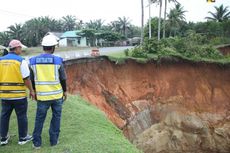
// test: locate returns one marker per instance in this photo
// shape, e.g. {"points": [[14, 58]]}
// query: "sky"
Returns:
{"points": [[19, 11]]}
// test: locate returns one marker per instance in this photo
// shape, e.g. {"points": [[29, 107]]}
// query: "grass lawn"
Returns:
{"points": [[117, 55], [84, 129], [121, 57]]}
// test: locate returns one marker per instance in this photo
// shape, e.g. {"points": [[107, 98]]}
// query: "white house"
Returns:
{"points": [[72, 39]]}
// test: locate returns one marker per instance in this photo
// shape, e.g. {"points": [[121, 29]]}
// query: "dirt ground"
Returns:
{"points": [[189, 99]]}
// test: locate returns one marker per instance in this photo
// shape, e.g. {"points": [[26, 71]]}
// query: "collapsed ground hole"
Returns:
{"points": [[168, 106]]}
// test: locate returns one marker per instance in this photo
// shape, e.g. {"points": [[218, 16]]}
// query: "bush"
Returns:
{"points": [[210, 52], [193, 46], [219, 40], [167, 51], [126, 51], [138, 52]]}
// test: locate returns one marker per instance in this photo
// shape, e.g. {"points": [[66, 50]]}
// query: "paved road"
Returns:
{"points": [[86, 52]]}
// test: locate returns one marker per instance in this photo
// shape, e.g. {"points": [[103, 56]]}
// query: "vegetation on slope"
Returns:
{"points": [[85, 129]]}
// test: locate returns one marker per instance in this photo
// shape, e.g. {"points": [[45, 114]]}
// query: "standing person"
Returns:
{"points": [[14, 79], [49, 81], [3, 53]]}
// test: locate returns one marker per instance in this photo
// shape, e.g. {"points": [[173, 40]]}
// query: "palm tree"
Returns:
{"points": [[15, 31], [165, 12], [4, 38], [175, 18], [124, 25], [36, 28], [96, 24], [222, 13], [69, 22], [114, 26]]}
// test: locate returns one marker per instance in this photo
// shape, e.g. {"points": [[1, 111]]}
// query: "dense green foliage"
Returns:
{"points": [[194, 41], [216, 32], [32, 31], [216, 28], [193, 45], [84, 129]]}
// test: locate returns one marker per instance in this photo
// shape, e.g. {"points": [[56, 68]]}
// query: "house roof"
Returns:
{"points": [[71, 34]]}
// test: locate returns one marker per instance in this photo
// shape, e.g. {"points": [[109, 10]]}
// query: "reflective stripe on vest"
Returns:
{"points": [[46, 77], [11, 81]]}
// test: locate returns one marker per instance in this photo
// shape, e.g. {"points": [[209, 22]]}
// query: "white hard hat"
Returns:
{"points": [[49, 40]]}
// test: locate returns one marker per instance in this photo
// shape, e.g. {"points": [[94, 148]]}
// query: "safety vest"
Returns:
{"points": [[11, 81], [46, 76]]}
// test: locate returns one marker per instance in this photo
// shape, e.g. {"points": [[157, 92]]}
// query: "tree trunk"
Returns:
{"points": [[150, 28], [124, 31], [142, 21], [159, 22], [166, 1]]}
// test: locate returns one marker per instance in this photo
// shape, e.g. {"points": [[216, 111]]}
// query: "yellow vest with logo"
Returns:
{"points": [[11, 82], [46, 77]]}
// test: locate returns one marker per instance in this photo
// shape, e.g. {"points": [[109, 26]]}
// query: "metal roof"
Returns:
{"points": [[71, 34]]}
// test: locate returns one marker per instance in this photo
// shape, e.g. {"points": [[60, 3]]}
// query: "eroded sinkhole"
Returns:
{"points": [[167, 106]]}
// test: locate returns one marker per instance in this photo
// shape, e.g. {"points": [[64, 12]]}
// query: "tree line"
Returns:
{"points": [[195, 41], [174, 23], [32, 31]]}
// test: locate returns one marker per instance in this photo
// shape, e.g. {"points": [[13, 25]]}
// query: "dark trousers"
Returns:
{"points": [[20, 106], [42, 108]]}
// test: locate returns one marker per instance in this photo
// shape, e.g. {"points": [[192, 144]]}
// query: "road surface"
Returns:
{"points": [[86, 52]]}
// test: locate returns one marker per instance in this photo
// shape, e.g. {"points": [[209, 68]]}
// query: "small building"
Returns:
{"points": [[72, 39]]}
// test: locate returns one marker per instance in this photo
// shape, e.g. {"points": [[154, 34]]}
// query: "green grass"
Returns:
{"points": [[117, 55], [120, 58], [84, 129]]}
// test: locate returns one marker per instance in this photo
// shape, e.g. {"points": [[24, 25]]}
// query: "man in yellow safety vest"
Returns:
{"points": [[14, 78], [49, 81]]}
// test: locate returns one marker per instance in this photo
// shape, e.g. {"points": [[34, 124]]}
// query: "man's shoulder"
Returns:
{"points": [[13, 57], [57, 59], [32, 60]]}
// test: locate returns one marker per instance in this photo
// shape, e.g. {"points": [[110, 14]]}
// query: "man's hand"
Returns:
{"points": [[32, 95], [64, 96]]}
